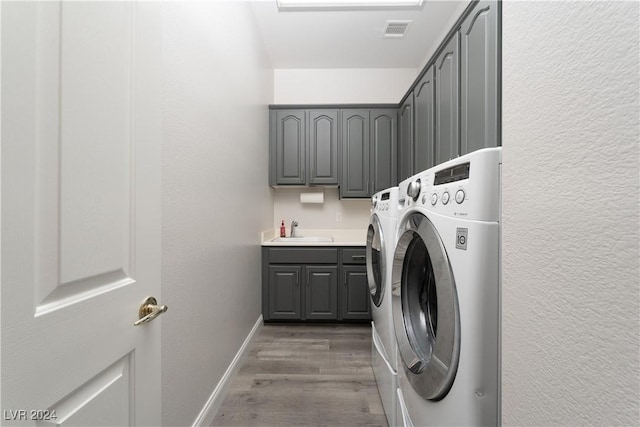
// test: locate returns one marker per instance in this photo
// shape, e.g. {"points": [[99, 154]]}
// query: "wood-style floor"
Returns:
{"points": [[305, 375]]}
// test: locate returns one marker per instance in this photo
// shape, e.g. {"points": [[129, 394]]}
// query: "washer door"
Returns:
{"points": [[375, 260], [425, 308]]}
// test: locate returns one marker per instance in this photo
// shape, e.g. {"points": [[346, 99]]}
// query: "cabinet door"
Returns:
{"points": [[321, 299], [424, 122], [290, 147], [355, 293], [355, 154], [447, 103], [479, 88], [405, 156], [323, 147], [284, 292], [383, 149]]}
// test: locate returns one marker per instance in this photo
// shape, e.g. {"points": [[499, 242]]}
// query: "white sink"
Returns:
{"points": [[303, 239]]}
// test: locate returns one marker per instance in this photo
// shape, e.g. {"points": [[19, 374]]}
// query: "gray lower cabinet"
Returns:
{"points": [[424, 119], [321, 300], [405, 144], [447, 105], [479, 89], [355, 154], [355, 293], [302, 283], [284, 292]]}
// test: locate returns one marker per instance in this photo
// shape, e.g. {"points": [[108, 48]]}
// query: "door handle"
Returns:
{"points": [[149, 310]]}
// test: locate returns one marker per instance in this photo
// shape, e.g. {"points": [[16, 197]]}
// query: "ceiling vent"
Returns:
{"points": [[395, 29]]}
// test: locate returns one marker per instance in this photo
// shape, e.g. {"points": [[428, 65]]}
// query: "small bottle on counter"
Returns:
{"points": [[282, 229]]}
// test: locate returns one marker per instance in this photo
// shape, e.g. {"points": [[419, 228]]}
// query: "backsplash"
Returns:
{"points": [[354, 213]]}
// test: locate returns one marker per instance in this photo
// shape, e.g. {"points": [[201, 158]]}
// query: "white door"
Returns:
{"points": [[80, 156]]}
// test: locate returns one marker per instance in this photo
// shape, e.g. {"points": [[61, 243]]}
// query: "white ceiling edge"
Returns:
{"points": [[352, 39]]}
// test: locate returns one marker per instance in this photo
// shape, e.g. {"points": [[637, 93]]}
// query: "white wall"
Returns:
{"points": [[215, 199], [287, 206], [342, 86], [571, 224]]}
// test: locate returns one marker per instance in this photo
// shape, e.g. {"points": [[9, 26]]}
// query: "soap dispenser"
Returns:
{"points": [[282, 229]]}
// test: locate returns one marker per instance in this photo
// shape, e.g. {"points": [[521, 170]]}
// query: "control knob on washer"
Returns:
{"points": [[374, 202], [413, 190]]}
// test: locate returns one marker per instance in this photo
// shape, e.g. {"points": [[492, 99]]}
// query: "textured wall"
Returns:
{"points": [[570, 209], [217, 85]]}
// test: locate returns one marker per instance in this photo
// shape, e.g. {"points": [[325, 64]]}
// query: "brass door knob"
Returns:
{"points": [[149, 310]]}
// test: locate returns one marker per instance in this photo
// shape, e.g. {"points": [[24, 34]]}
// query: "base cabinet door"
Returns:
{"points": [[284, 292], [355, 293], [321, 299]]}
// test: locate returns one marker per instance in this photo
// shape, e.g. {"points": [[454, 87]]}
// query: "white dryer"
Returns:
{"points": [[381, 236], [446, 293]]}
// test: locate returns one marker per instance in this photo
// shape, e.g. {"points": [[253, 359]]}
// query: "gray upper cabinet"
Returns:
{"points": [[447, 70], [323, 147], [479, 88], [290, 146], [405, 149], [384, 137], [355, 154], [424, 103]]}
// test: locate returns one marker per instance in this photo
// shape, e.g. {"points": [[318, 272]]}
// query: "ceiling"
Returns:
{"points": [[352, 38]]}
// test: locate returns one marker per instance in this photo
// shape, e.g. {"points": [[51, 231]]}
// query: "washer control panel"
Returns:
{"points": [[465, 187]]}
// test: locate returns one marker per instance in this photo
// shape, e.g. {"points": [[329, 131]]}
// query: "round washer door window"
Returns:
{"points": [[425, 308], [375, 260]]}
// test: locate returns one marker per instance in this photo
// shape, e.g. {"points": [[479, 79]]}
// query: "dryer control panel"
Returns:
{"points": [[466, 187]]}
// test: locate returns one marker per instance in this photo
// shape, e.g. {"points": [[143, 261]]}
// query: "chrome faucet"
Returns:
{"points": [[294, 224]]}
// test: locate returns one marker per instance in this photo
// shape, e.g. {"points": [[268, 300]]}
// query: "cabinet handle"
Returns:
{"points": [[358, 257]]}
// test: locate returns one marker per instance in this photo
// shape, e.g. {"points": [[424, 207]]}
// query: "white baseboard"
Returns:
{"points": [[208, 413]]}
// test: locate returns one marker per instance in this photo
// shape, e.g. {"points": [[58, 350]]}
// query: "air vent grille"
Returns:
{"points": [[395, 29]]}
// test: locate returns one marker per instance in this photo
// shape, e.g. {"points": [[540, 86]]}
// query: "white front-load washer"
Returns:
{"points": [[446, 293], [381, 236]]}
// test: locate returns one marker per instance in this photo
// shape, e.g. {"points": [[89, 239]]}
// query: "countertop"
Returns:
{"points": [[356, 237]]}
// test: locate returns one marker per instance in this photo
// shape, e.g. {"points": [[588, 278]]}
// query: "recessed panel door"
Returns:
{"points": [[323, 147], [321, 293], [81, 138]]}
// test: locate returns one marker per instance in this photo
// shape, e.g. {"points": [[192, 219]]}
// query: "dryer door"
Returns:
{"points": [[375, 260], [425, 308]]}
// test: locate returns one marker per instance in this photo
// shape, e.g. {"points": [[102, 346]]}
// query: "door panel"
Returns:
{"points": [[80, 200]]}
